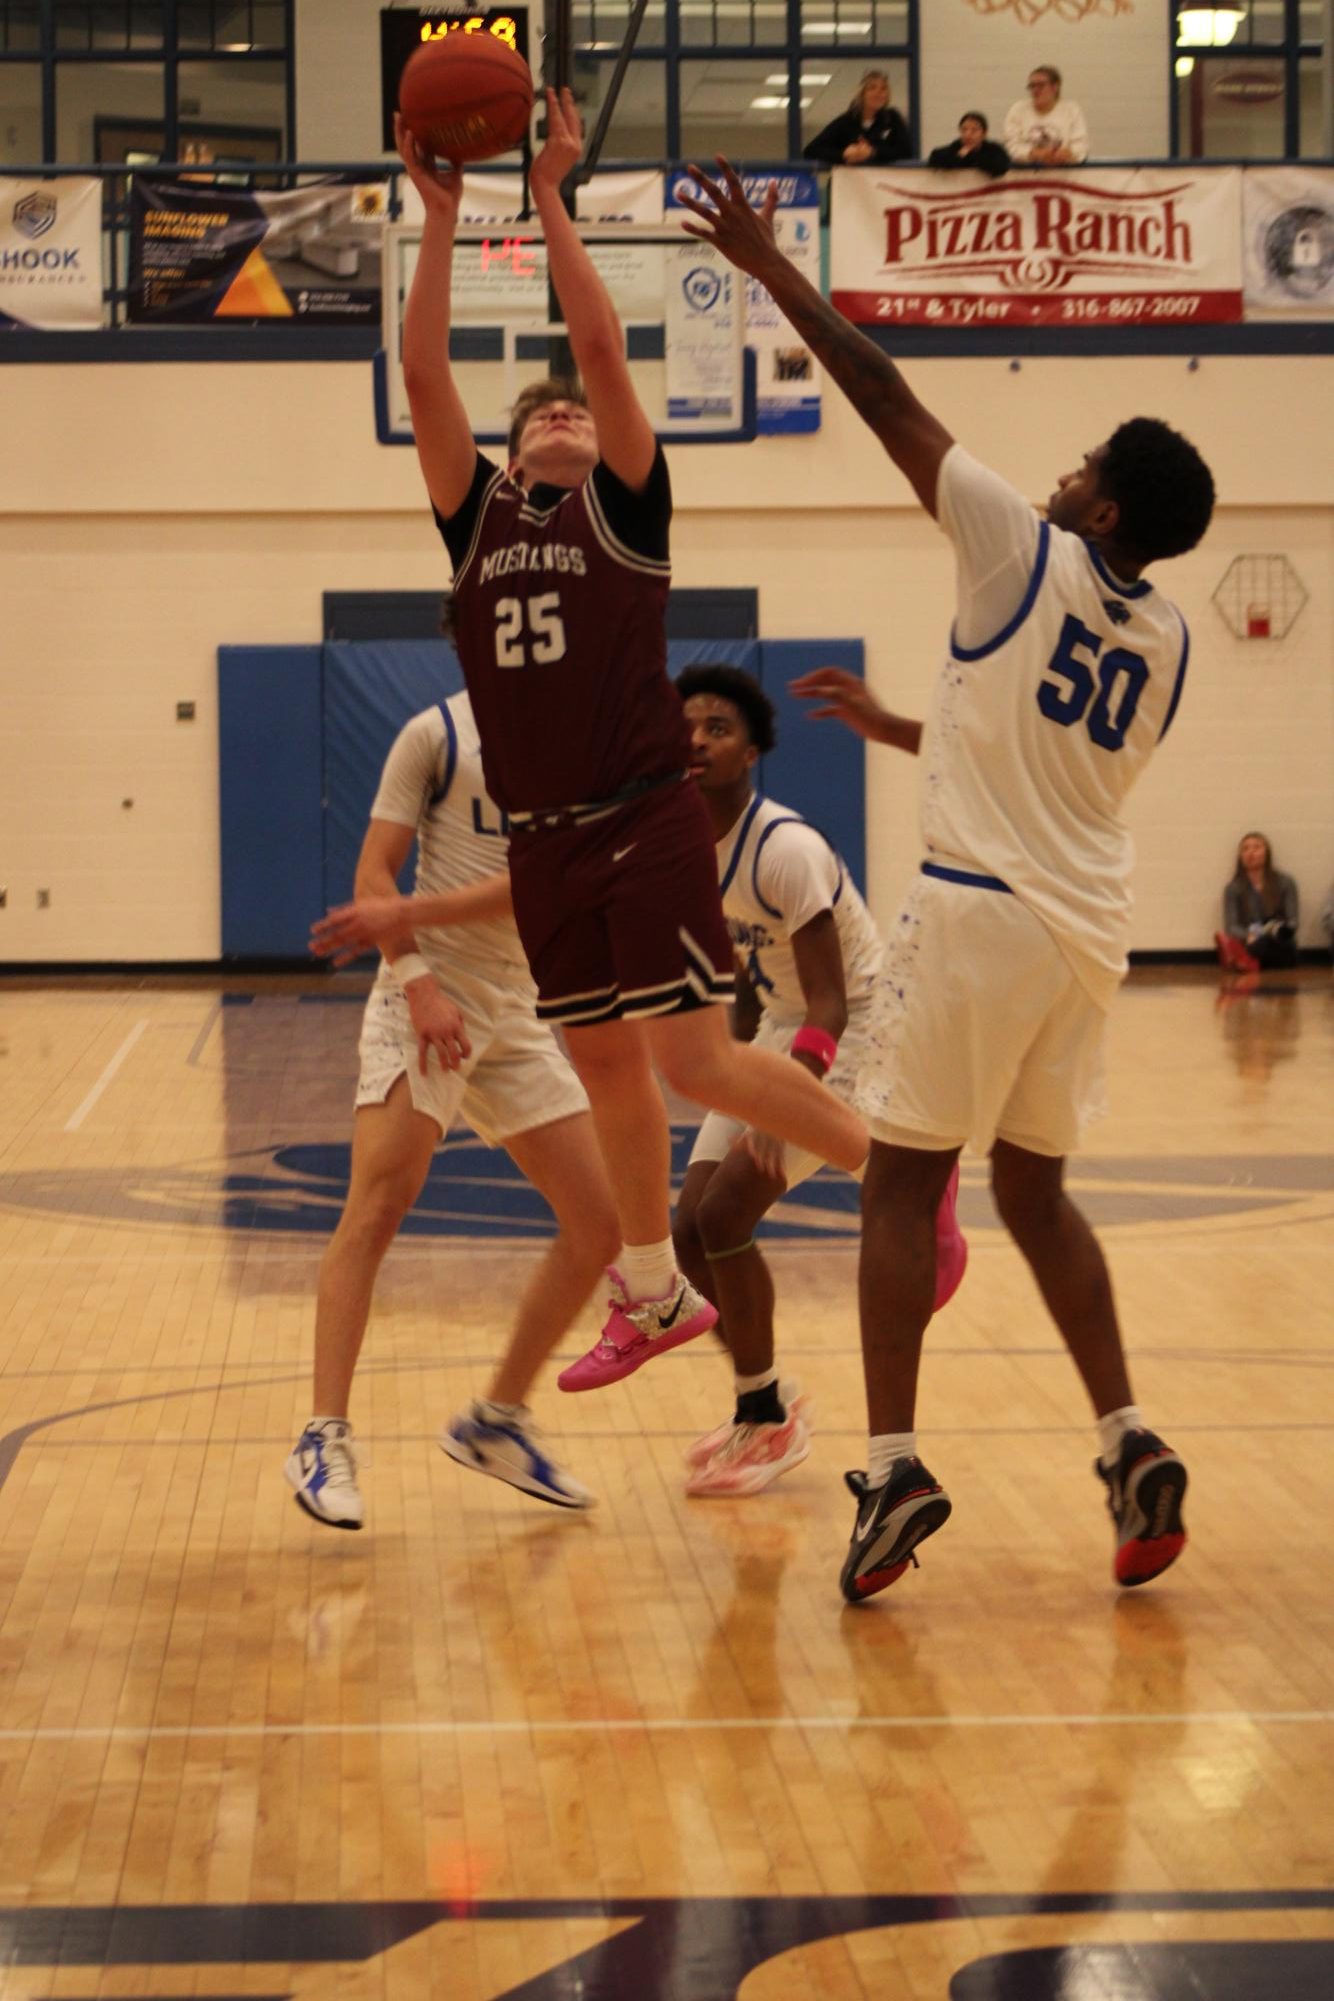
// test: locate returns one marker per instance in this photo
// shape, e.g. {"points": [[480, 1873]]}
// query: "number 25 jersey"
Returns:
{"points": [[1061, 682], [560, 599]]}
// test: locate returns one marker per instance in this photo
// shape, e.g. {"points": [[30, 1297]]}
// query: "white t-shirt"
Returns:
{"points": [[432, 782], [1060, 683], [776, 873], [1062, 125]]}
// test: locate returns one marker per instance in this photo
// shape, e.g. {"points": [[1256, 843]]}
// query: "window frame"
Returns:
{"points": [[1289, 49]]}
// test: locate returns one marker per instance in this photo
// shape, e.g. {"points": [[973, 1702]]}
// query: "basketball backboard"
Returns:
{"points": [[682, 306]]}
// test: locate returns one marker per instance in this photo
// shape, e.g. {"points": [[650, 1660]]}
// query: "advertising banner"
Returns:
{"points": [[787, 383], [1111, 247], [1288, 242], [50, 253], [201, 252]]}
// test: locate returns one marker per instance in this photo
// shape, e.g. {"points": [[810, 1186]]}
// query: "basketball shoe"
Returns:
{"points": [[638, 1330], [794, 1401], [1145, 1490], [511, 1449], [322, 1466], [891, 1521], [951, 1245], [750, 1458]]}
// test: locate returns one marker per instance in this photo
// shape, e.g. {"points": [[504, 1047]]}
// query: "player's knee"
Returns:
{"points": [[1027, 1192], [375, 1212], [686, 1238], [694, 1071], [726, 1219]]}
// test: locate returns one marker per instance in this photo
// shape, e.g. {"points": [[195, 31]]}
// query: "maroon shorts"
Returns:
{"points": [[621, 916]]}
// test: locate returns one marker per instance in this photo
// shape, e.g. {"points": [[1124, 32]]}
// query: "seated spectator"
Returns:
{"points": [[972, 148], [1046, 129], [1259, 912], [869, 133]]}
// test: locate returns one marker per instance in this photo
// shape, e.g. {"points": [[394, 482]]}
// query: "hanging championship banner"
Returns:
{"points": [[210, 253], [787, 384], [51, 253], [1288, 228], [1146, 246]]}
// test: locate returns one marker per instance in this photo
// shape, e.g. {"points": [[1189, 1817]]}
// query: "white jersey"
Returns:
{"points": [[1061, 682], [432, 782], [776, 873]]}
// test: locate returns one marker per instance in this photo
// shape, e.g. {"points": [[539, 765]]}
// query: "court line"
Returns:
{"points": [[73, 1124], [275, 1440], [675, 1725]]}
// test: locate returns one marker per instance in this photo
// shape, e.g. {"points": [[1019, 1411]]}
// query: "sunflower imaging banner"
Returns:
{"points": [[203, 252], [1143, 246], [50, 253]]}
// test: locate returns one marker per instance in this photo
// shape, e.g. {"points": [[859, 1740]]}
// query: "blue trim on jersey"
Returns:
{"points": [[789, 820], [451, 758], [1180, 680], [1139, 589], [966, 875], [1025, 606], [740, 843]]}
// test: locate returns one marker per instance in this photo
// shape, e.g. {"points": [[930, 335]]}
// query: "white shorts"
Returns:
{"points": [[515, 1080], [718, 1134], [986, 1033]]}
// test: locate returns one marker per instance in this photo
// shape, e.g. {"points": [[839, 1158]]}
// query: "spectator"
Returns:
{"points": [[1259, 912], [1327, 921], [972, 148], [869, 133], [1047, 130]]}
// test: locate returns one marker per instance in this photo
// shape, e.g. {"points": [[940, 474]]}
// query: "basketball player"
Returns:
{"points": [[450, 1032], [810, 957], [561, 575], [1064, 672]]}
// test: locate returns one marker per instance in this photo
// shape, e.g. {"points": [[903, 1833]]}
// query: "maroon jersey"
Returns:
{"points": [[560, 597]]}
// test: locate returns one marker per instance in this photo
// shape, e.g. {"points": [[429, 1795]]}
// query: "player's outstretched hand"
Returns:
{"points": [[564, 146], [441, 188], [351, 929], [744, 235], [766, 1155], [438, 1023], [843, 698]]}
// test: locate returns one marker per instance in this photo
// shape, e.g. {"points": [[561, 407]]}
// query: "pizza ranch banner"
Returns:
{"points": [[1139, 246]]}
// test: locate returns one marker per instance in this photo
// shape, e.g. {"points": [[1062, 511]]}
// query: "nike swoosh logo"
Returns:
{"points": [[621, 853], [665, 1320]]}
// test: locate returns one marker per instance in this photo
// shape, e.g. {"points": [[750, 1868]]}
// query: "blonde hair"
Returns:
{"points": [[871, 76]]}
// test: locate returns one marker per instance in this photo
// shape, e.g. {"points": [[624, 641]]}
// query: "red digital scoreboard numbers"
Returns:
{"points": [[403, 29]]}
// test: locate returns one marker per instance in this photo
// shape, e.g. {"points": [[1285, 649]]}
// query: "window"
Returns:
{"points": [[1247, 80], [751, 78], [106, 69]]}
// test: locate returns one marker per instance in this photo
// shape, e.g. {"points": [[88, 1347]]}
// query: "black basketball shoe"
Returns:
{"points": [[891, 1521], [1145, 1490]]}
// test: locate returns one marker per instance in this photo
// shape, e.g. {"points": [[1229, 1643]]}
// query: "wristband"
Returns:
{"points": [[411, 966], [816, 1042]]}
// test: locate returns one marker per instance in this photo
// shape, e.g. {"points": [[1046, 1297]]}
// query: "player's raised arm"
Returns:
{"points": [[439, 421], [625, 436], [914, 439]]}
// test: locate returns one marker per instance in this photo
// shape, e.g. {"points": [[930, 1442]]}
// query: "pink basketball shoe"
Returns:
{"points": [[638, 1330], [951, 1245]]}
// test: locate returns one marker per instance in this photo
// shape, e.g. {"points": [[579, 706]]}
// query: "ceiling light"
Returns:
{"points": [[1185, 65], [1208, 27]]}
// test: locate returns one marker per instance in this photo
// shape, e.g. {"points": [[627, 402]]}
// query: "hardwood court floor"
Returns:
{"points": [[483, 1750]]}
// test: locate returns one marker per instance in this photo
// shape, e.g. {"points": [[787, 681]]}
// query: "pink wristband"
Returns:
{"points": [[817, 1042]]}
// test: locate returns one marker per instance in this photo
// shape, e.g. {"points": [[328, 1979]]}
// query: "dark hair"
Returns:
{"points": [[742, 690], [978, 117], [1163, 489], [550, 389], [1271, 895], [1049, 70]]}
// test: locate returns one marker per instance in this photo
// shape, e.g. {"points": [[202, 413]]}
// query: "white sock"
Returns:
{"points": [[1113, 1428], [318, 1424], [499, 1413], [648, 1269], [884, 1450], [745, 1384]]}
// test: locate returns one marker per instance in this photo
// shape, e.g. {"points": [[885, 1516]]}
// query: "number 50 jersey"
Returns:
{"points": [[1061, 682], [560, 598]]}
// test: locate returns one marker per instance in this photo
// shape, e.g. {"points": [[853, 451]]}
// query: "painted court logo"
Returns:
{"points": [[34, 214]]}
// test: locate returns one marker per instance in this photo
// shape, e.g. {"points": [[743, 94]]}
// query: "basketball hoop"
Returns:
{"points": [[1030, 11]]}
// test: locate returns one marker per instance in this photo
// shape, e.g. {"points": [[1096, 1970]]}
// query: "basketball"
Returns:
{"points": [[467, 97]]}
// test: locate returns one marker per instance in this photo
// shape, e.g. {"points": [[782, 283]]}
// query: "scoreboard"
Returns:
{"points": [[403, 29]]}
